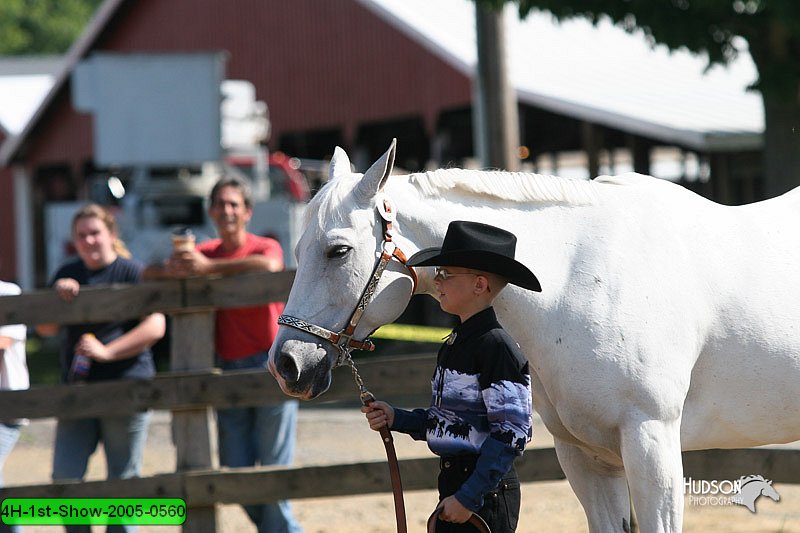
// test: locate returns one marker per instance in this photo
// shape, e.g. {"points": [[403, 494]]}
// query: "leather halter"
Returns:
{"points": [[343, 340]]}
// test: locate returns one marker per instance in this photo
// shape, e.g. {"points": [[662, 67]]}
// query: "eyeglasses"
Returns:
{"points": [[442, 274]]}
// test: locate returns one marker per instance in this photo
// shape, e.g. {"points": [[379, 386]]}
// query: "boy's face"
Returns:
{"points": [[457, 292]]}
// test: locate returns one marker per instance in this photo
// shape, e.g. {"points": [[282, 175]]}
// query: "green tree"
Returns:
{"points": [[720, 29], [31, 27]]}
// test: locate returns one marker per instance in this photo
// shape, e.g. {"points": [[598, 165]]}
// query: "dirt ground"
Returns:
{"points": [[340, 435]]}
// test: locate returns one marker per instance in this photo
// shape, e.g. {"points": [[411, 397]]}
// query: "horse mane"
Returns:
{"points": [[330, 198], [508, 186]]}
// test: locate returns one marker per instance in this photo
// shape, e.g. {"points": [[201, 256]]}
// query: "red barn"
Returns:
{"points": [[353, 73]]}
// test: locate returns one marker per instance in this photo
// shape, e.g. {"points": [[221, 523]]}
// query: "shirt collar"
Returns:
{"points": [[477, 324]]}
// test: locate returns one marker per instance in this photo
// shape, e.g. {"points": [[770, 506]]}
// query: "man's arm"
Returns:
{"points": [[194, 263], [251, 263]]}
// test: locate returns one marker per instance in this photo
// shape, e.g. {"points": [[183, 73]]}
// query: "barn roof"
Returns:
{"points": [[76, 52], [24, 81], [599, 74]]}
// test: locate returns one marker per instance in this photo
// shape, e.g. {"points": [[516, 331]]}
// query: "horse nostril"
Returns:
{"points": [[287, 368]]}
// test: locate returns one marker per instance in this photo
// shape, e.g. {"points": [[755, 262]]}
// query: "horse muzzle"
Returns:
{"points": [[302, 369]]}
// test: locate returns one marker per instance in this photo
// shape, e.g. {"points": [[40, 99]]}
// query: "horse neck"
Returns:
{"points": [[422, 221], [417, 221], [754, 486]]}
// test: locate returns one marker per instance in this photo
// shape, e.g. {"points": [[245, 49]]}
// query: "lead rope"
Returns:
{"points": [[388, 443], [344, 342], [394, 468]]}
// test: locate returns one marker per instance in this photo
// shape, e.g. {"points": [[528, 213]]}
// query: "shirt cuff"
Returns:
{"points": [[410, 422], [494, 461]]}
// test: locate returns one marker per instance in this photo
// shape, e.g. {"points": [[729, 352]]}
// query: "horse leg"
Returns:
{"points": [[600, 487], [651, 452]]}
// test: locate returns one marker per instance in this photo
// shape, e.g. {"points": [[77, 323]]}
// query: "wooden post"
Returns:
{"points": [[590, 138], [194, 431], [640, 153], [721, 179], [497, 124]]}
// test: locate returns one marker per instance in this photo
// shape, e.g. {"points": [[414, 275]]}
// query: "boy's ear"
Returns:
{"points": [[482, 284]]}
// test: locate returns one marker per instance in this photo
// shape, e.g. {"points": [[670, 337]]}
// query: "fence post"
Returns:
{"points": [[194, 430]]}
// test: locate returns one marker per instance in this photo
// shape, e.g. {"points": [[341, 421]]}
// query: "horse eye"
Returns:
{"points": [[338, 251]]}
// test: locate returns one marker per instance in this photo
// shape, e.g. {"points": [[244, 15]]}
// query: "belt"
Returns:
{"points": [[458, 462], [466, 464]]}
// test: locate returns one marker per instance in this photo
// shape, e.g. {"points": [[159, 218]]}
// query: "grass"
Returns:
{"points": [[42, 354]]}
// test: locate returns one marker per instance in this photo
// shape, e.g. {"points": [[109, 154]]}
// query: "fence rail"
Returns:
{"points": [[193, 386], [266, 484], [120, 302], [178, 391]]}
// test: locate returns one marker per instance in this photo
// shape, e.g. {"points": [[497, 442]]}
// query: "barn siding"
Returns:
{"points": [[317, 64]]}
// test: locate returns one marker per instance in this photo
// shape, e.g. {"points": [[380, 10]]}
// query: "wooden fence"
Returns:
{"points": [[193, 387]]}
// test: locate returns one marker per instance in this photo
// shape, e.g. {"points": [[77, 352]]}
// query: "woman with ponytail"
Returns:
{"points": [[101, 351]]}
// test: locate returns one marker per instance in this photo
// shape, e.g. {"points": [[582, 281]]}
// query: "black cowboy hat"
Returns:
{"points": [[480, 247]]}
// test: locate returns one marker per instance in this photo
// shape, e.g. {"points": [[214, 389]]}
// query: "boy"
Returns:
{"points": [[480, 415]]}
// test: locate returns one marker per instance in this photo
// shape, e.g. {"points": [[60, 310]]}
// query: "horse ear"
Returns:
{"points": [[375, 178], [339, 165]]}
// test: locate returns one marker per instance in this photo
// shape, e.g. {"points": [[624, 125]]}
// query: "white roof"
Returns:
{"points": [[24, 82], [20, 96], [601, 74]]}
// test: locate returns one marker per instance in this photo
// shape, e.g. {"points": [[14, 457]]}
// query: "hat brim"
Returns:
{"points": [[512, 270]]}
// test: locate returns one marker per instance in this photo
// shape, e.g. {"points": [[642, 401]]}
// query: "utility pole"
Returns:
{"points": [[495, 114]]}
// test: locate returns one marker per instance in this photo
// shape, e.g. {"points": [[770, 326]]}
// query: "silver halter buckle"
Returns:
{"points": [[343, 340]]}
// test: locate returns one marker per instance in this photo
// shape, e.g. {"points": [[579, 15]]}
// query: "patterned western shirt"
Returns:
{"points": [[481, 404]]}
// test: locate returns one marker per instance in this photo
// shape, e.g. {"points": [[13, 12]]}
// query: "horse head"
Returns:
{"points": [[344, 240], [752, 487], [766, 489]]}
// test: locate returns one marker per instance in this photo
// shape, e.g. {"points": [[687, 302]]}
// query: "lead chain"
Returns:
{"points": [[365, 395]]}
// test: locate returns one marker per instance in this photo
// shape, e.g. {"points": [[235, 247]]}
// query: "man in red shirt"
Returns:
{"points": [[262, 434]]}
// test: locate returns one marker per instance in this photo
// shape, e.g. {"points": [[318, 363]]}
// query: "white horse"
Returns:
{"points": [[665, 321]]}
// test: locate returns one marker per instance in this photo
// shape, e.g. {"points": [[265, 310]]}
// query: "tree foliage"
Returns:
{"points": [[771, 28], [30, 27]]}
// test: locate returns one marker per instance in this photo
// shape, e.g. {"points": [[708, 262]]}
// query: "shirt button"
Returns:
{"points": [[447, 464]]}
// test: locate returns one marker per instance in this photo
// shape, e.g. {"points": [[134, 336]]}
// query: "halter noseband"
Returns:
{"points": [[343, 340]]}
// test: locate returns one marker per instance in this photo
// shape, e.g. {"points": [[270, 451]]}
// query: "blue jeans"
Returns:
{"points": [[265, 435], [9, 433], [123, 440]]}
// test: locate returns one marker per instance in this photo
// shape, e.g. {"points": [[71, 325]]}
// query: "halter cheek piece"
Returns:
{"points": [[343, 340]]}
